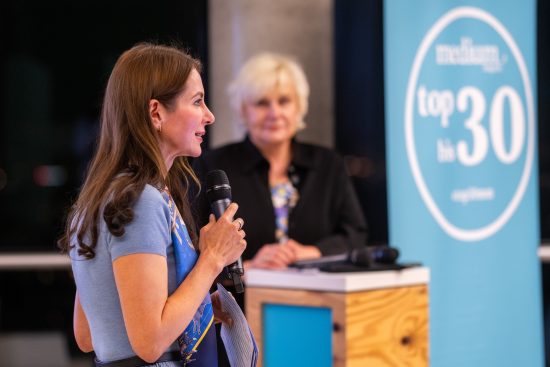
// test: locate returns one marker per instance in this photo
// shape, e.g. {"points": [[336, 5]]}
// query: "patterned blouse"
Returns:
{"points": [[284, 197]]}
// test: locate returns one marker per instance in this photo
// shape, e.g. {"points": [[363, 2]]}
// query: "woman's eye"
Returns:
{"points": [[284, 100], [262, 103], [198, 102]]}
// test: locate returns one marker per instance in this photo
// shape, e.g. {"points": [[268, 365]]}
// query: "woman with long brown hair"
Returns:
{"points": [[142, 287]]}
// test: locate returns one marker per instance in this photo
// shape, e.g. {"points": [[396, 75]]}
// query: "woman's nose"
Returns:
{"points": [[274, 109], [209, 116]]}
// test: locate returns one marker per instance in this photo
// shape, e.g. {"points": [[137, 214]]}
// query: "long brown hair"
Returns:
{"points": [[128, 156]]}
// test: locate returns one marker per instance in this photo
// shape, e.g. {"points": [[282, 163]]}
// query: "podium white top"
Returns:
{"points": [[313, 279]]}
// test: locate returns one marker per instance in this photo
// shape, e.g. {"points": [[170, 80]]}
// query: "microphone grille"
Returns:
{"points": [[217, 186], [216, 177]]}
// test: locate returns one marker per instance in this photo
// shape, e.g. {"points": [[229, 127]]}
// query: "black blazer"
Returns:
{"points": [[326, 215]]}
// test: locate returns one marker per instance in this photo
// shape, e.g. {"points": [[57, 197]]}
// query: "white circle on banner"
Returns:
{"points": [[452, 230]]}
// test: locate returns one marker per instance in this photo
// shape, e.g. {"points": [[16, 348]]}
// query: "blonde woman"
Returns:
{"points": [[296, 199]]}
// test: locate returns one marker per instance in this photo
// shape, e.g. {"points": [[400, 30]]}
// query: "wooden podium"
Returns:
{"points": [[374, 318]]}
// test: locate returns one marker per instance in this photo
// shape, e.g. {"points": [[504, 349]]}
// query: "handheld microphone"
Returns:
{"points": [[218, 193]]}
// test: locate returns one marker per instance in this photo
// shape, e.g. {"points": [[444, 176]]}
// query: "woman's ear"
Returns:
{"points": [[155, 114]]}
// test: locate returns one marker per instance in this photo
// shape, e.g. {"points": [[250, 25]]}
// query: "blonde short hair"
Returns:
{"points": [[264, 73]]}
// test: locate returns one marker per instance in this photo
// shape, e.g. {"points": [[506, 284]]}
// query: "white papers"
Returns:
{"points": [[239, 342]]}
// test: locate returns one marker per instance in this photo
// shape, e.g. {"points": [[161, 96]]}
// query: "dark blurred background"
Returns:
{"points": [[55, 64], [55, 61]]}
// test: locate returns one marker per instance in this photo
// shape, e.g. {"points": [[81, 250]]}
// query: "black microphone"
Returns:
{"points": [[364, 257], [218, 193]]}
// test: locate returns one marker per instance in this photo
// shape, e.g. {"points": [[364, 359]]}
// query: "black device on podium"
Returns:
{"points": [[368, 258]]}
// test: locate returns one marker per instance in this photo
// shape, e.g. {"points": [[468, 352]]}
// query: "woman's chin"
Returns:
{"points": [[194, 153], [274, 139]]}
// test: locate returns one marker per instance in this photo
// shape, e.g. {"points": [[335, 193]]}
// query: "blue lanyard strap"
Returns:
{"points": [[185, 259]]}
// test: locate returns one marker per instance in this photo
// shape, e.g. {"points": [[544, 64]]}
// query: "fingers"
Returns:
{"points": [[293, 244], [270, 263], [285, 253], [211, 222], [219, 314], [302, 251], [223, 239], [239, 222], [230, 212], [223, 317], [273, 256]]}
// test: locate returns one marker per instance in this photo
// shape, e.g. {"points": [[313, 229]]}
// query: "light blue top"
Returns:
{"points": [[149, 232]]}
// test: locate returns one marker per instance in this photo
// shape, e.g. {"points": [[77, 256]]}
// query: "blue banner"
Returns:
{"points": [[460, 84]]}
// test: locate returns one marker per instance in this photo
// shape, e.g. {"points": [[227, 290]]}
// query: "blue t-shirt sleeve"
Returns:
{"points": [[149, 231]]}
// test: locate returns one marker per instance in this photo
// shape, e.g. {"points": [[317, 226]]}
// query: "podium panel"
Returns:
{"points": [[374, 319], [307, 343]]}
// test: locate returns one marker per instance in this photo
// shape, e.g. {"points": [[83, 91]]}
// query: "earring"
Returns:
{"points": [[159, 128]]}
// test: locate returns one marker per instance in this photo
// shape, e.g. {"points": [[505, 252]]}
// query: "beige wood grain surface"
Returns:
{"points": [[386, 327]]}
